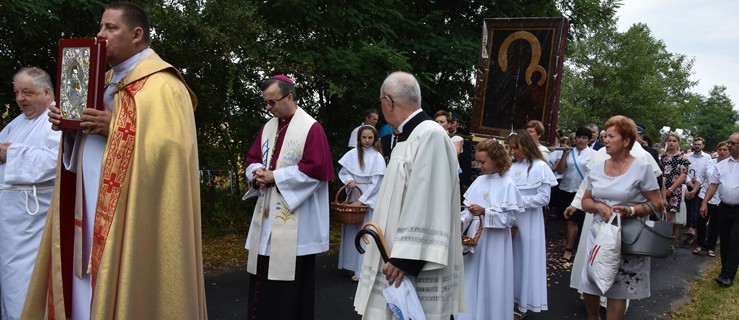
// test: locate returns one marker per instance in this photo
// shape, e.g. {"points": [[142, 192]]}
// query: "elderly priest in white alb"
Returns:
{"points": [[28, 155], [418, 211]]}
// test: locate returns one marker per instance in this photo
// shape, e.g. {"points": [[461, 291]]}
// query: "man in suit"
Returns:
{"points": [[388, 143], [594, 142]]}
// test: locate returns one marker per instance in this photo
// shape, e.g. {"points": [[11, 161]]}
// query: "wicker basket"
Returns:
{"points": [[472, 241], [345, 213]]}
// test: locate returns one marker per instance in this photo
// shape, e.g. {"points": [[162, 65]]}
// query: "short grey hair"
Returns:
{"points": [[402, 87], [40, 78]]}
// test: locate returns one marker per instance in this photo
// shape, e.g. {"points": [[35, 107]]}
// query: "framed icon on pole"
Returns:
{"points": [[518, 74]]}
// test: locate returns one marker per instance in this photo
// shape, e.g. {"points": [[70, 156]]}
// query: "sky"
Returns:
{"points": [[707, 31]]}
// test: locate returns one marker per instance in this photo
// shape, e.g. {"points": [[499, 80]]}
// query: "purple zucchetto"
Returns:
{"points": [[284, 78]]}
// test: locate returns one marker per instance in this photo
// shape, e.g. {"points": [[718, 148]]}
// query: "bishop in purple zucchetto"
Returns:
{"points": [[283, 77]]}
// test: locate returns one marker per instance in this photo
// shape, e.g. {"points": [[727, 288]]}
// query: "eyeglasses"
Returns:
{"points": [[272, 103], [383, 97], [731, 143]]}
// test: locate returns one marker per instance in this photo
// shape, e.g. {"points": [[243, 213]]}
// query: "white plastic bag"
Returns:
{"points": [[403, 301], [605, 256]]}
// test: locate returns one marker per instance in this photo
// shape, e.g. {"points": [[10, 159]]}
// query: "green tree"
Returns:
{"points": [[340, 51], [30, 31], [629, 73], [715, 118], [218, 46]]}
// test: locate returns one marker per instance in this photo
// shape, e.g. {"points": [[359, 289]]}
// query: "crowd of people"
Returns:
{"points": [[589, 176], [103, 221]]}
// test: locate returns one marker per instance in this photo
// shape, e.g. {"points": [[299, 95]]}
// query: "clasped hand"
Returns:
{"points": [[263, 177]]}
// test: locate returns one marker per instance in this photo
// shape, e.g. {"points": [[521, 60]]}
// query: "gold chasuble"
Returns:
{"points": [[146, 260]]}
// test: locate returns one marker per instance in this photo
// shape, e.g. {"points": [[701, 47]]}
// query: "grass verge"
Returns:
{"points": [[227, 251], [709, 301], [223, 252]]}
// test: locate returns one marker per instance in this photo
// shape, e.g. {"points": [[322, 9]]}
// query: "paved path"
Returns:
{"points": [[226, 291]]}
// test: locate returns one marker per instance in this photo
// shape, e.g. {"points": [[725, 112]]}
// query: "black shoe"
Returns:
{"points": [[724, 281]]}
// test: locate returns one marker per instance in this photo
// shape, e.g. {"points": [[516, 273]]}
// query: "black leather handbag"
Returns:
{"points": [[646, 238]]}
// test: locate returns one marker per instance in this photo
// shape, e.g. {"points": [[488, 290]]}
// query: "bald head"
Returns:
{"points": [[33, 91], [39, 77], [403, 88], [400, 96]]}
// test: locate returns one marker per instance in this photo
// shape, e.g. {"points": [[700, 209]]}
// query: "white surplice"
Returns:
{"points": [[488, 281], [368, 180], [31, 163], [529, 245], [301, 192], [418, 211]]}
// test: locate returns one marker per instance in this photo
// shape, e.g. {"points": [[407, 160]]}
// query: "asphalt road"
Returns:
{"points": [[227, 290]]}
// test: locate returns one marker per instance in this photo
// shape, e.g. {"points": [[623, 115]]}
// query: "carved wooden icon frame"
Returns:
{"points": [[518, 75]]}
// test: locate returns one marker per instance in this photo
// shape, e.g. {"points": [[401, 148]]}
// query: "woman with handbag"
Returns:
{"points": [[626, 186], [492, 202], [361, 168]]}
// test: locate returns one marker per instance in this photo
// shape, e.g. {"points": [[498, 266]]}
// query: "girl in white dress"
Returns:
{"points": [[362, 168], [534, 179], [493, 201]]}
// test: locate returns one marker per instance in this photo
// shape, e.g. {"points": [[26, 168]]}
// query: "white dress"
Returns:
{"points": [[488, 270], [368, 180], [529, 245], [632, 280], [600, 155], [31, 162]]}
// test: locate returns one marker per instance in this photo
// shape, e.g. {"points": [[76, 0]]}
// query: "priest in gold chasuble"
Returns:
{"points": [[122, 237]]}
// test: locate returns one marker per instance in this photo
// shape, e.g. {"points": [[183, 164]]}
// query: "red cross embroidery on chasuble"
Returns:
{"points": [[127, 131], [111, 183]]}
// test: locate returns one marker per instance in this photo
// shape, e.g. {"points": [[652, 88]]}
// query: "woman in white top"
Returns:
{"points": [[627, 186], [534, 179], [574, 168], [444, 118], [536, 130], [363, 168]]}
